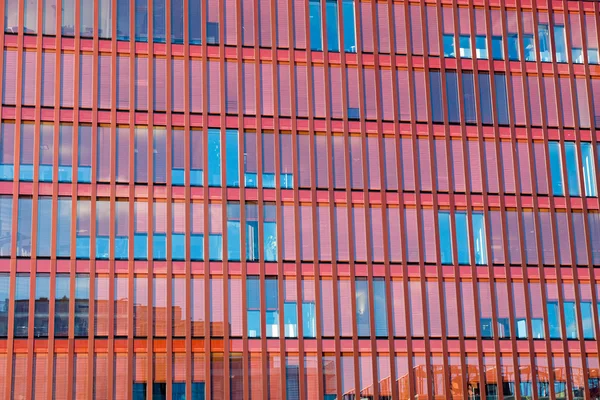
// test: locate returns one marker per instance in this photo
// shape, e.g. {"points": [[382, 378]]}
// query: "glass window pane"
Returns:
{"points": [[556, 169], [214, 157], [316, 38], [63, 227], [572, 169], [232, 157], [479, 238]]}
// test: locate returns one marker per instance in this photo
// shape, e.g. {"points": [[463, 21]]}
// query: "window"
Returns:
{"points": [[158, 22], [380, 307], [61, 305], [485, 98], [252, 249], [253, 304], [215, 232], [572, 169], [82, 240], [479, 238], [159, 155], [196, 158], [501, 99], [272, 304], [445, 237], [232, 158], [349, 26], [513, 47], [233, 231], [560, 39], [65, 157], [290, 309], [270, 232], [462, 237], [331, 14], [592, 38], [121, 249], [141, 155], [82, 297], [453, 103], [178, 231], [27, 153], [42, 305], [159, 232], [589, 171], [449, 49], [21, 319], [195, 21], [316, 37], [140, 231], [196, 231], [481, 46], [7, 138], [363, 327], [24, 228], [46, 155], [587, 320], [544, 39], [571, 319], [556, 169], [309, 312], [268, 161], [286, 166], [44, 226], [141, 20], [122, 20], [214, 157], [465, 46], [5, 225], [11, 16]]}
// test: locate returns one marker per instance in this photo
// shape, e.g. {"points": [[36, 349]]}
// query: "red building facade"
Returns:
{"points": [[299, 199]]}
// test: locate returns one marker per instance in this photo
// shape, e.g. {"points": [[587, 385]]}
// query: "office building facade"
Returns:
{"points": [[299, 199]]}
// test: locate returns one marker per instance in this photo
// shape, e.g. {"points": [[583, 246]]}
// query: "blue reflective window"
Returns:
{"points": [[537, 328], [570, 319], [481, 47], [177, 25], [465, 46], [513, 47], [497, 48], [141, 20], [178, 246], [195, 22], [139, 391], [529, 48], [349, 21], [553, 320], [556, 171], [309, 319], [121, 250], [316, 36], [380, 307], [233, 232], [46, 154], [140, 246], [445, 237], [214, 157], [159, 246], [252, 242], [462, 237], [331, 14], [159, 21], [290, 319], [560, 43], [197, 247], [449, 47], [44, 226], [21, 319], [272, 311], [253, 305], [544, 40], [159, 391], [589, 170], [587, 320], [105, 19], [572, 169], [363, 327], [479, 239], [232, 161], [122, 20]]}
